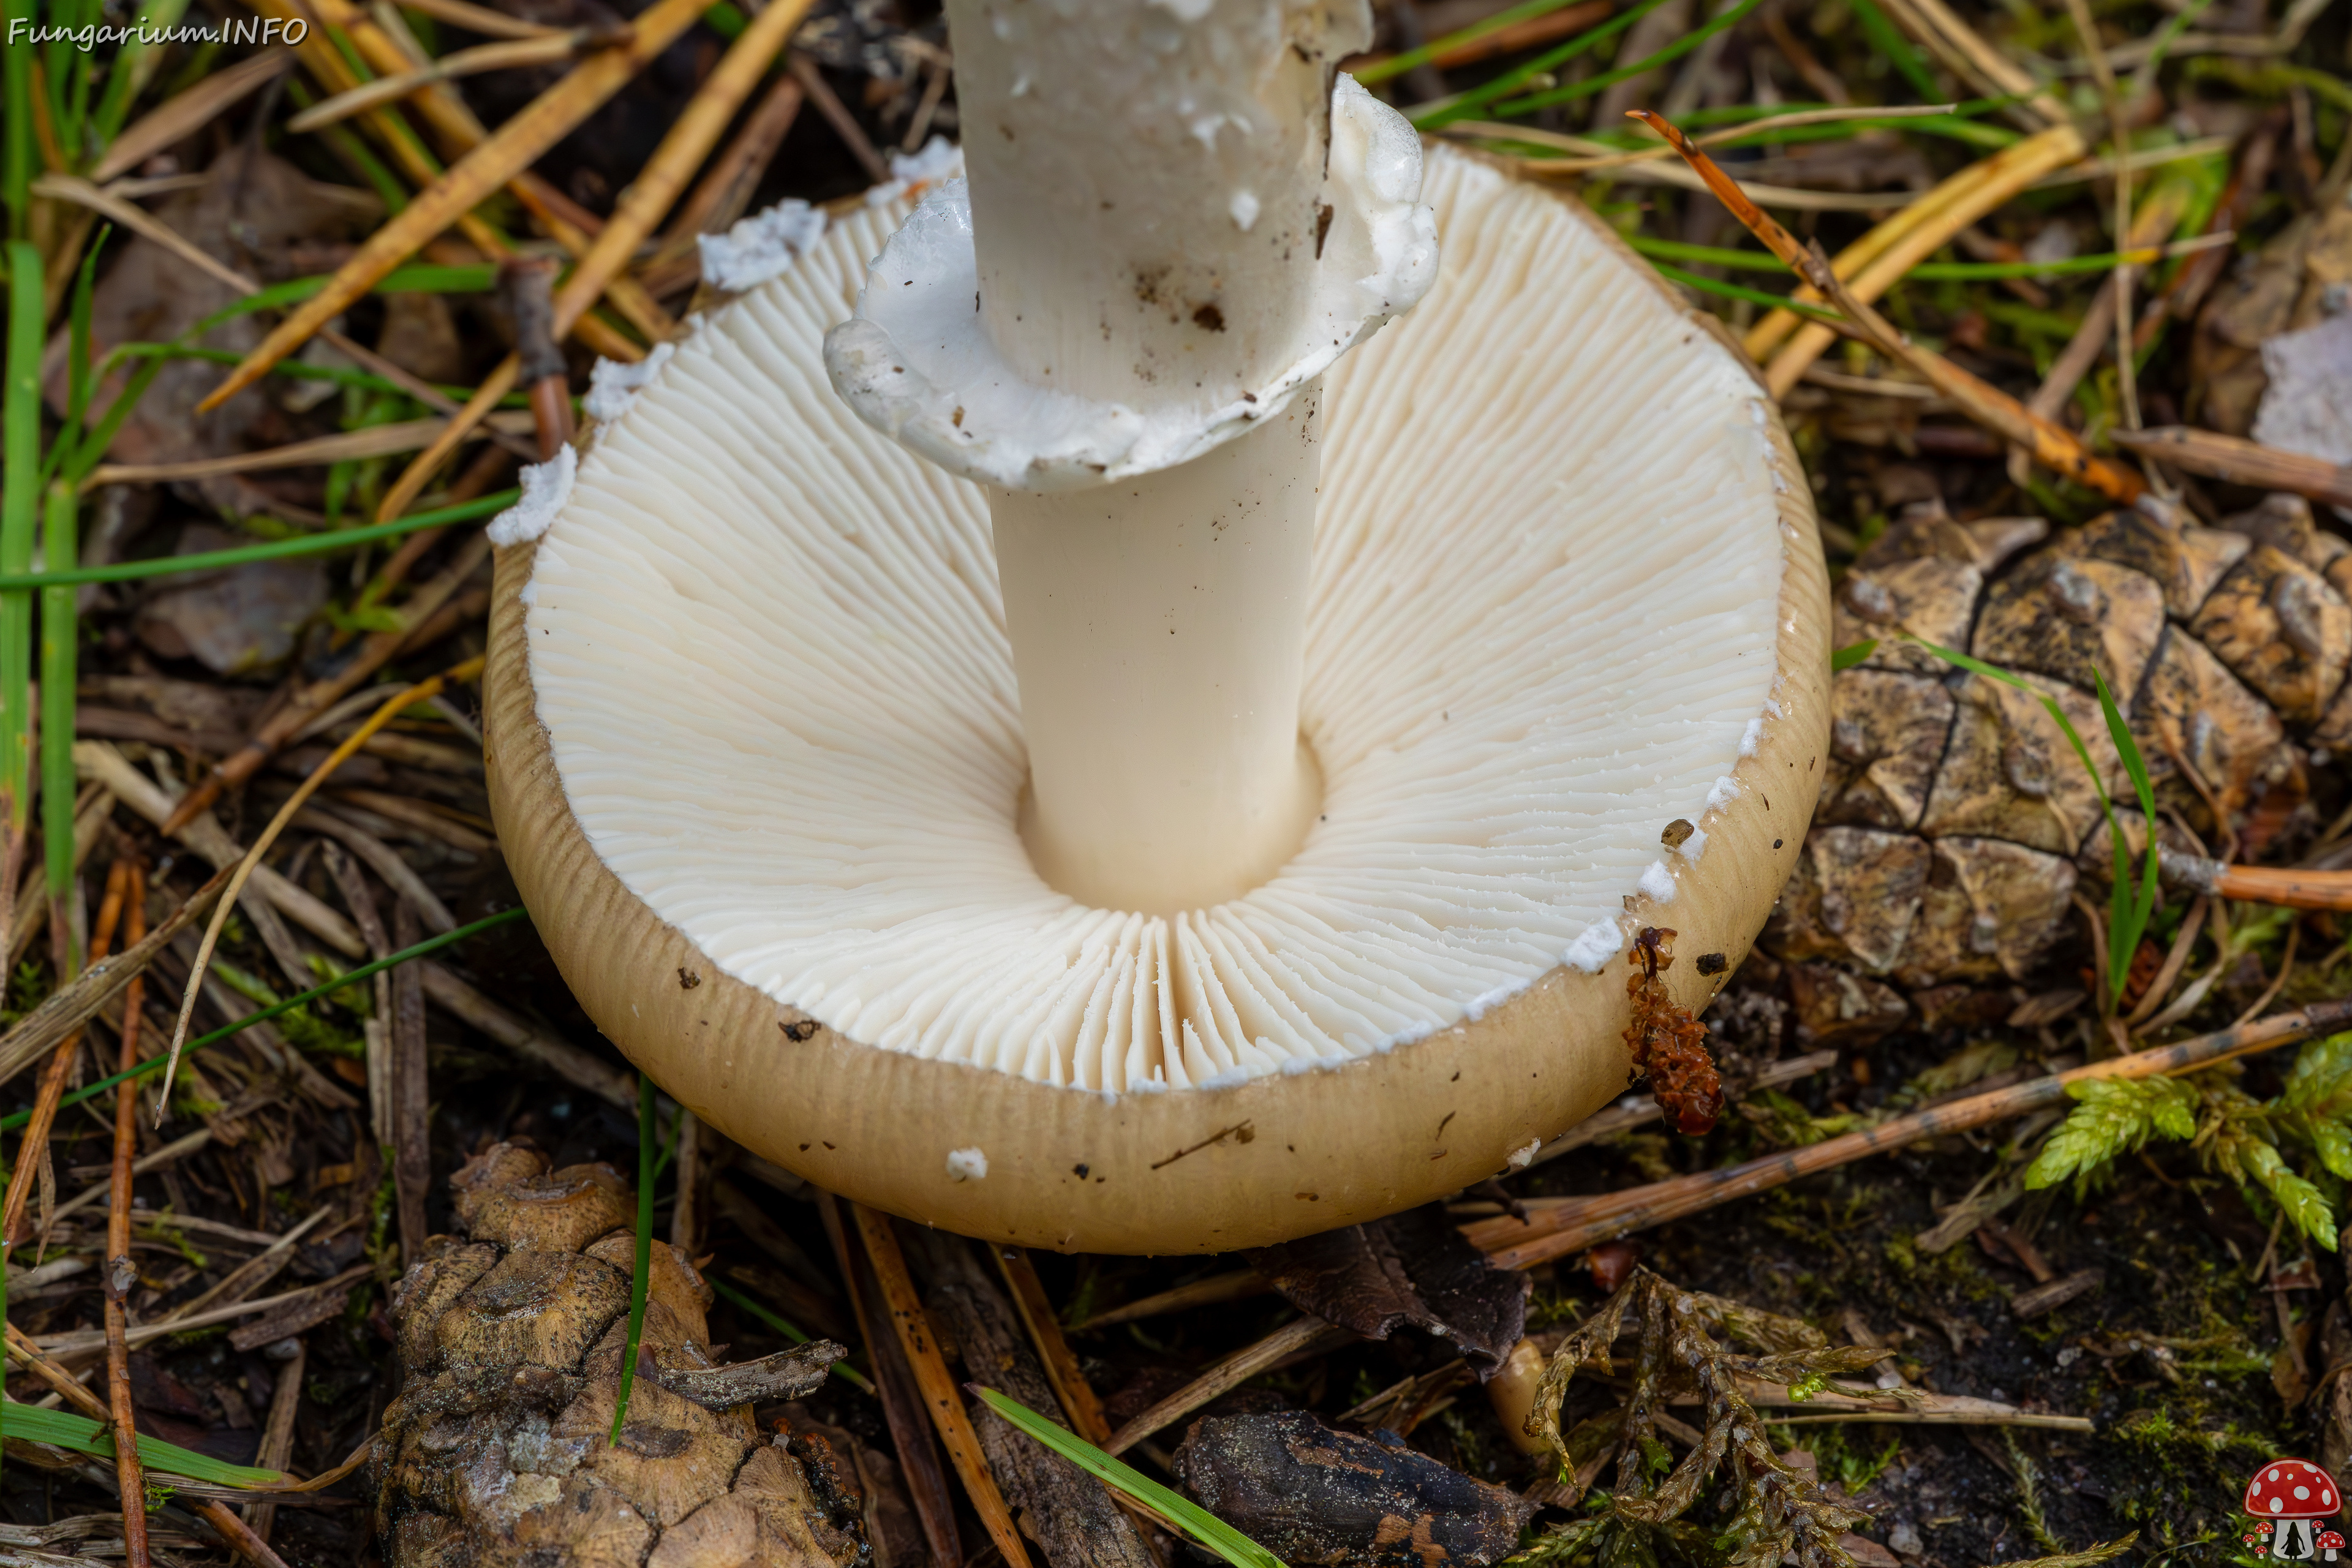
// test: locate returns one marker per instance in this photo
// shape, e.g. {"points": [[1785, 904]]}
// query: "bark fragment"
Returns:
{"points": [[1067, 1513], [1314, 1495]]}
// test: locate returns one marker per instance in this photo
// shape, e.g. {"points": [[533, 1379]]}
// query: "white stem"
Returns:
{"points": [[1173, 223], [1159, 633], [1147, 199]]}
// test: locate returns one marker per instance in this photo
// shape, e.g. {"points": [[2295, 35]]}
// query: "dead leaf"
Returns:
{"points": [[1413, 1269]]}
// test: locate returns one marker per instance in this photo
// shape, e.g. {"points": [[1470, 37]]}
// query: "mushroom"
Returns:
{"points": [[2331, 1541], [1261, 856], [2284, 1497]]}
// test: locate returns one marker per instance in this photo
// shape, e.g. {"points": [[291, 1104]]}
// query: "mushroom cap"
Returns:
{"points": [[2291, 1489], [1573, 648]]}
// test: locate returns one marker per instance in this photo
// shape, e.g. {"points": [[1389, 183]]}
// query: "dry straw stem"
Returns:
{"points": [[32, 1152], [1558, 1226], [176, 119], [1963, 48], [2051, 446], [1942, 213], [507, 54], [514, 146], [1680, 178], [1302, 1335], [391, 49], [1061, 1363], [641, 209], [481, 20], [374, 441], [2242, 462], [913, 1326], [421, 692], [1733, 133], [1873, 271]]}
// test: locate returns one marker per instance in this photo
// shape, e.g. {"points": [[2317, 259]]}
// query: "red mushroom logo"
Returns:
{"points": [[2287, 1497]]}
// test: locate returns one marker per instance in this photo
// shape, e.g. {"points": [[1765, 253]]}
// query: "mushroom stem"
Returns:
{"points": [[1148, 211], [1158, 635]]}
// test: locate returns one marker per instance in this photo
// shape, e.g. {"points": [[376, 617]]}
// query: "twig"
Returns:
{"points": [[120, 1272], [1054, 1353], [1304, 1333], [302, 792], [1557, 1226], [527, 288], [2052, 446], [2242, 462], [938, 1385], [236, 1533]]}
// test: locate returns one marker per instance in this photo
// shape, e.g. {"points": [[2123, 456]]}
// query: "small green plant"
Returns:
{"points": [[2235, 1133]]}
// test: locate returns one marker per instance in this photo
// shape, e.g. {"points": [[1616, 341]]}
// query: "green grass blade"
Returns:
{"points": [[1396, 65], [60, 634], [1196, 1520], [340, 983], [20, 503], [420, 279], [17, 155], [1738, 291], [1471, 104], [648, 1137], [65, 1429], [1609, 78], [785, 1327], [94, 442], [269, 550], [1847, 657]]}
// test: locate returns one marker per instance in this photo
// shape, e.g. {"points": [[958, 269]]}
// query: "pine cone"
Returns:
{"points": [[1956, 818], [497, 1449]]}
